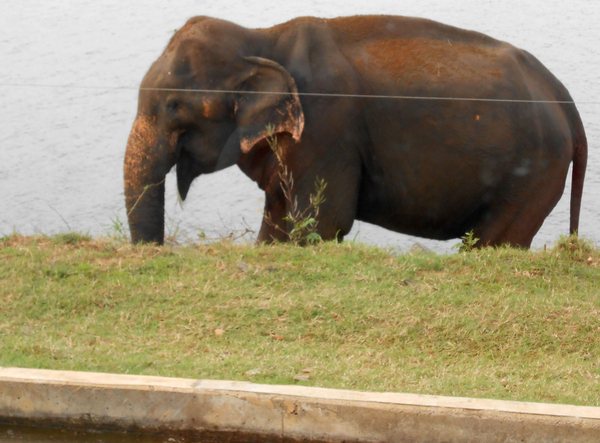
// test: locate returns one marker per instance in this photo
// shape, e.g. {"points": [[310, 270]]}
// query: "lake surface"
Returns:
{"points": [[70, 71]]}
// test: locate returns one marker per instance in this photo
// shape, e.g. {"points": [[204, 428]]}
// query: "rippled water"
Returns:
{"points": [[61, 148]]}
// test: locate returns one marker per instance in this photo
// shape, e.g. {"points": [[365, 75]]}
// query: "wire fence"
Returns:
{"points": [[304, 94]]}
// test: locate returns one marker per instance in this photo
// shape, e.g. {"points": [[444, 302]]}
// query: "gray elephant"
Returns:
{"points": [[415, 126]]}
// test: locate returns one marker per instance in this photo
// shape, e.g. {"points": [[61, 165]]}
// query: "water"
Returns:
{"points": [[22, 434], [61, 148]]}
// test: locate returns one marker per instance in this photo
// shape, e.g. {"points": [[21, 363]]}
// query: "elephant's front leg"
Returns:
{"points": [[274, 227]]}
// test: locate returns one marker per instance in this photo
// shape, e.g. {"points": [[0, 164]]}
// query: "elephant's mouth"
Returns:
{"points": [[187, 170]]}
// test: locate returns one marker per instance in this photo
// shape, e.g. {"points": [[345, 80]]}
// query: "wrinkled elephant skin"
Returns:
{"points": [[415, 126]]}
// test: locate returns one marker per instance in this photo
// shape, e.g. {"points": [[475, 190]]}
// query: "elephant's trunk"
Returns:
{"points": [[144, 174]]}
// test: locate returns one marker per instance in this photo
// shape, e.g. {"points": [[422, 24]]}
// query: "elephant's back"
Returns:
{"points": [[363, 28], [406, 56]]}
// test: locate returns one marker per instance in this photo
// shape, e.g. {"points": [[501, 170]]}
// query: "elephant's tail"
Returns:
{"points": [[580, 154]]}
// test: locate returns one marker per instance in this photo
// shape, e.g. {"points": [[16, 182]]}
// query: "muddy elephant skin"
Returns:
{"points": [[415, 126]]}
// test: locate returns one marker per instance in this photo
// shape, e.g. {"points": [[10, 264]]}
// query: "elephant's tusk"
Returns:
{"points": [[179, 199]]}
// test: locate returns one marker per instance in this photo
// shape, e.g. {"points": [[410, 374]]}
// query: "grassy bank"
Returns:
{"points": [[505, 324]]}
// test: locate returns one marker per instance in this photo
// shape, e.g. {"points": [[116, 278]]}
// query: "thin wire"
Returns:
{"points": [[397, 97], [306, 94]]}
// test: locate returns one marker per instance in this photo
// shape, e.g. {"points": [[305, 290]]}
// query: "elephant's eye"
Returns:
{"points": [[172, 107]]}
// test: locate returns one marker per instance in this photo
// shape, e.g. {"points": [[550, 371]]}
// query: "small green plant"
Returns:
{"points": [[576, 247], [6, 239], [468, 242], [118, 231], [70, 238], [172, 232], [303, 222]]}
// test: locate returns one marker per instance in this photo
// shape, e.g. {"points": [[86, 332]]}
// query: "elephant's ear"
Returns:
{"points": [[268, 96]]}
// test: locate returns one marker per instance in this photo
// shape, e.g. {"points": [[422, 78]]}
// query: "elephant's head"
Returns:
{"points": [[202, 105]]}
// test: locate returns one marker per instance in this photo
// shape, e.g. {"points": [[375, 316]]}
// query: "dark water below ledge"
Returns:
{"points": [[23, 434]]}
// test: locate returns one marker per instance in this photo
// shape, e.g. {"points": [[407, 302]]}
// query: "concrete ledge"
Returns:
{"points": [[281, 413]]}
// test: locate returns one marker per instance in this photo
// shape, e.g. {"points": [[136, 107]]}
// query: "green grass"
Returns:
{"points": [[494, 323]]}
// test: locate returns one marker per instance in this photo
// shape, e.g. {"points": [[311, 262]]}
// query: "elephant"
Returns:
{"points": [[416, 126]]}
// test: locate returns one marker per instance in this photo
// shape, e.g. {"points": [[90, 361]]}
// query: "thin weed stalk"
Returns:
{"points": [[303, 222]]}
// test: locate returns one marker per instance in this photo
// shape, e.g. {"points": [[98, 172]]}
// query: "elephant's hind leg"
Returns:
{"points": [[508, 226], [518, 219]]}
